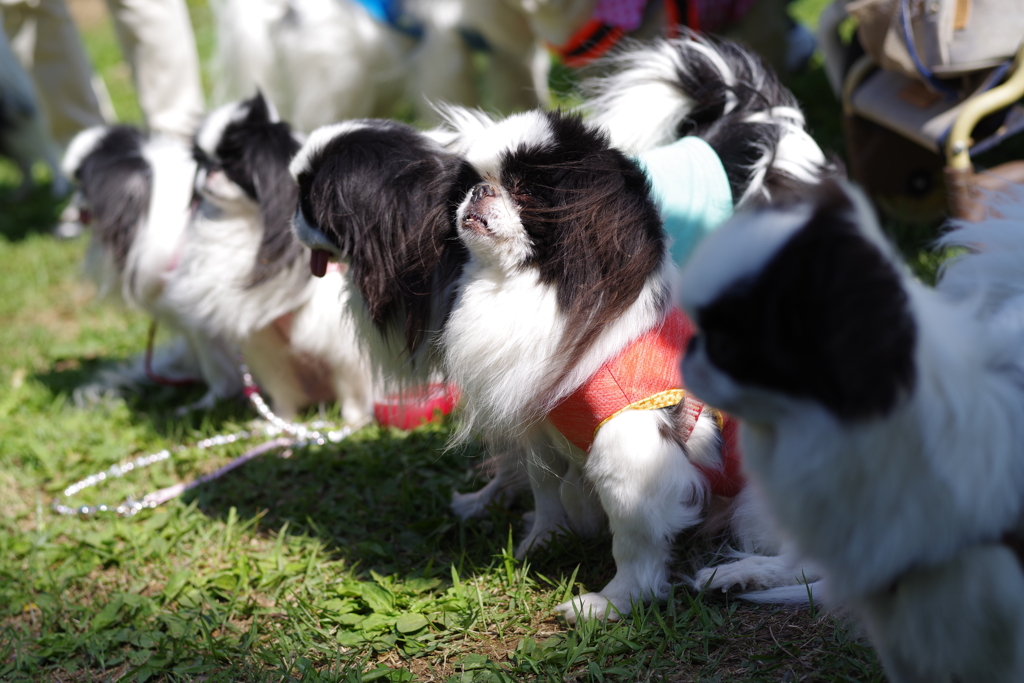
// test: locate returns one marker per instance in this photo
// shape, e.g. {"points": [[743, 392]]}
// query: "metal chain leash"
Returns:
{"points": [[298, 436]]}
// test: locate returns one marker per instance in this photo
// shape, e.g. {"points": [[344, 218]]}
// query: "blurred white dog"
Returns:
{"points": [[244, 275], [323, 61], [134, 193], [883, 420]]}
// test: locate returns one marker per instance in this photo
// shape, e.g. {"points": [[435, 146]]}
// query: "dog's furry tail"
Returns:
{"points": [[800, 595], [714, 89]]}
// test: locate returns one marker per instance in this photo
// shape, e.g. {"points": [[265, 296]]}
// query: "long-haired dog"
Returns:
{"points": [[562, 336], [380, 197], [882, 419], [134, 193], [243, 274]]}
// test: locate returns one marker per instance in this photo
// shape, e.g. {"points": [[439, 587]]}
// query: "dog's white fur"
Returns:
{"points": [[903, 512], [290, 329], [151, 262]]}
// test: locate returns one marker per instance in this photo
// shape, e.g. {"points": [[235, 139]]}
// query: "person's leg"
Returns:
{"points": [[60, 67], [157, 41]]}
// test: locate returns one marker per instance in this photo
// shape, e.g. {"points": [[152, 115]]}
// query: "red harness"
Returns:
{"points": [[645, 376]]}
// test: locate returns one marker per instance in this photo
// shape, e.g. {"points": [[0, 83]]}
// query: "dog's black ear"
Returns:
{"points": [[116, 182], [386, 196], [278, 197], [827, 319], [255, 153], [595, 232], [261, 110]]}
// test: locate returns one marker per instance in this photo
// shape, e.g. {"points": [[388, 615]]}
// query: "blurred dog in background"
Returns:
{"points": [[134, 192], [883, 420], [244, 276]]}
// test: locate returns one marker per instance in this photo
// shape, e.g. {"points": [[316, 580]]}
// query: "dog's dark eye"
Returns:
{"points": [[522, 194], [203, 159], [722, 348]]}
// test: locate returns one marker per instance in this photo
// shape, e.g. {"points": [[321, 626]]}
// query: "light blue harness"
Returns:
{"points": [[691, 187]]}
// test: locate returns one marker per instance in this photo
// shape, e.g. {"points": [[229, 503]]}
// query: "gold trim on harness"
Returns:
{"points": [[662, 399]]}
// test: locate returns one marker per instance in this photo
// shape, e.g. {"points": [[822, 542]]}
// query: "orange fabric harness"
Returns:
{"points": [[645, 376]]}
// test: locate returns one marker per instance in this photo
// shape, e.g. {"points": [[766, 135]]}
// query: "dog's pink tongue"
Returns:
{"points": [[318, 262]]}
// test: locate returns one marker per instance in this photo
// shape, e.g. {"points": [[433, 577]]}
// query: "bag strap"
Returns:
{"points": [[922, 68]]}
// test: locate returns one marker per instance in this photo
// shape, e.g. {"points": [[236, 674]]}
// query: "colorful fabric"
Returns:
{"points": [[613, 19], [692, 189], [392, 13], [625, 14], [645, 376]]}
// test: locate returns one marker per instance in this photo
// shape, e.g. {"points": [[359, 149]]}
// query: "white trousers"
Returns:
{"points": [[156, 40]]}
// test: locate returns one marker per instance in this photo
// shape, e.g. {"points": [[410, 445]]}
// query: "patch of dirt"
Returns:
{"points": [[14, 501]]}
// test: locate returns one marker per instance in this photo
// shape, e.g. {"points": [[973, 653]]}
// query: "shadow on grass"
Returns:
{"points": [[155, 404], [380, 500], [36, 212]]}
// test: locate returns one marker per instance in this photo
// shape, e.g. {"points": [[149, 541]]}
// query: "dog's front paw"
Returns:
{"points": [[713, 578], [593, 606], [752, 573], [206, 403], [542, 529], [95, 393], [469, 505]]}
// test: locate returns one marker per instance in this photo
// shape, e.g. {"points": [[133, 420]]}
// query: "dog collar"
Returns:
{"points": [[645, 376]]}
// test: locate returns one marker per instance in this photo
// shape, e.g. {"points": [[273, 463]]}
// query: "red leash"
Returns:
{"points": [[148, 364]]}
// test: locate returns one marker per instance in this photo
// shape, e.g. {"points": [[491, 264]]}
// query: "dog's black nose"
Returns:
{"points": [[482, 190]]}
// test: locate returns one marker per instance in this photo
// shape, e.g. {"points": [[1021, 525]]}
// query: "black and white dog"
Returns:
{"points": [[567, 292], [380, 197], [883, 420], [244, 276], [134, 193]]}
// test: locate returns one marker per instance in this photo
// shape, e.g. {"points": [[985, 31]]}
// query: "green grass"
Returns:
{"points": [[337, 563]]}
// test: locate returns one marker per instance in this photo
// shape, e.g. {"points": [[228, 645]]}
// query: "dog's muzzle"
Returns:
{"points": [[483, 191]]}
